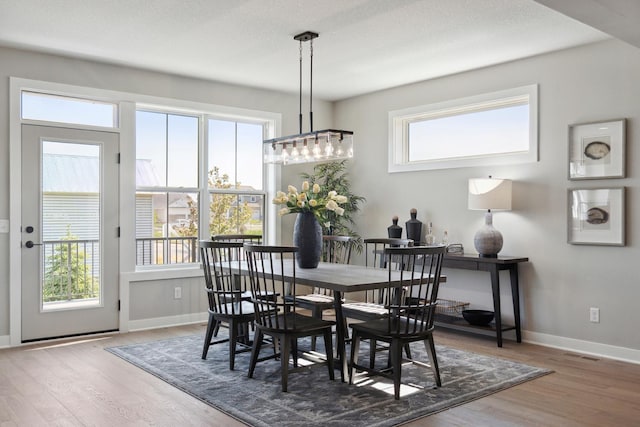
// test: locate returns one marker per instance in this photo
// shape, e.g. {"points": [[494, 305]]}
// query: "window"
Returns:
{"points": [[234, 178], [64, 109], [167, 190], [176, 202], [495, 128]]}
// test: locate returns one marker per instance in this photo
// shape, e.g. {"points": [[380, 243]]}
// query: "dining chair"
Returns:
{"points": [[372, 304], [335, 249], [279, 318], [225, 297], [241, 238], [410, 313]]}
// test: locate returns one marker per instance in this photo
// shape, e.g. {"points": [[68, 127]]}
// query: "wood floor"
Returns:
{"points": [[77, 383]]}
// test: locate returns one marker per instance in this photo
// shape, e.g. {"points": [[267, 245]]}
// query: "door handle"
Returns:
{"points": [[29, 244]]}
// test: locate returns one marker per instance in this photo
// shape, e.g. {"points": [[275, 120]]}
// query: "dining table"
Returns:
{"points": [[341, 279]]}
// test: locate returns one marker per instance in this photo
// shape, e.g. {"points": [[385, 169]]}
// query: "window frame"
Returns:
{"points": [[203, 191], [399, 121]]}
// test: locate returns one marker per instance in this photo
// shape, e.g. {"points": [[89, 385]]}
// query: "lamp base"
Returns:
{"points": [[488, 241]]}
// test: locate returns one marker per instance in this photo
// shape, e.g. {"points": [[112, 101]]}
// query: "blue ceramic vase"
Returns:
{"points": [[307, 236]]}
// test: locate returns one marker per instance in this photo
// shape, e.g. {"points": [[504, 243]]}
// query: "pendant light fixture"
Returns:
{"points": [[312, 146]]}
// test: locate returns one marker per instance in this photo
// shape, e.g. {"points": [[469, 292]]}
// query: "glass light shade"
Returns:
{"points": [[318, 146]]}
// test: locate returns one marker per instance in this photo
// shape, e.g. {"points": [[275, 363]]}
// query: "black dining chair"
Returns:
{"points": [[279, 318], [410, 312], [335, 249], [372, 304], [225, 297]]}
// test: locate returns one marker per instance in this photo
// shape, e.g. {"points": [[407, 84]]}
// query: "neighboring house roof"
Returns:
{"points": [[65, 173]]}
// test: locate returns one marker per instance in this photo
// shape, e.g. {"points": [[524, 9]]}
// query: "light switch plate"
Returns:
{"points": [[4, 225]]}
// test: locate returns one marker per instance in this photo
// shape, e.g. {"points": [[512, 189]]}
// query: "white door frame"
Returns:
{"points": [[126, 130]]}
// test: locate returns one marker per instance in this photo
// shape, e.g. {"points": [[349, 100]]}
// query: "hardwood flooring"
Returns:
{"points": [[76, 383]]}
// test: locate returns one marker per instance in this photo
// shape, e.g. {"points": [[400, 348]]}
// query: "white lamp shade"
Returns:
{"points": [[489, 193]]}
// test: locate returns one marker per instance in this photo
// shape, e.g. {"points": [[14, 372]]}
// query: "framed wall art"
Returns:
{"points": [[596, 216], [597, 150]]}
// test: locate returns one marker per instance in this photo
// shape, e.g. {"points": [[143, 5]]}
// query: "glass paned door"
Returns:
{"points": [[69, 232]]}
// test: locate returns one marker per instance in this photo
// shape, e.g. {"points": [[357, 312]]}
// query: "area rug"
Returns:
{"points": [[312, 399]]}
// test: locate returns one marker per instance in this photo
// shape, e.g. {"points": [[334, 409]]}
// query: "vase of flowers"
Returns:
{"points": [[309, 205]]}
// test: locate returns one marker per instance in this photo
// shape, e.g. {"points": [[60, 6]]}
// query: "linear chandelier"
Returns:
{"points": [[312, 146]]}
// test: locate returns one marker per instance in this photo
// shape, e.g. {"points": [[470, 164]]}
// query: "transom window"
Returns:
{"points": [[495, 128], [66, 109]]}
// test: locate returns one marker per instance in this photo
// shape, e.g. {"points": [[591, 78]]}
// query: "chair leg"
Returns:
{"points": [[355, 348], [328, 346], [316, 313], [217, 328], [284, 361], [395, 348], [211, 325], [431, 351], [372, 353], [233, 339], [294, 351], [407, 349], [255, 351]]}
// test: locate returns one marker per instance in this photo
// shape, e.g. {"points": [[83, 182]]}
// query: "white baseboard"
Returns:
{"points": [[623, 354], [168, 321]]}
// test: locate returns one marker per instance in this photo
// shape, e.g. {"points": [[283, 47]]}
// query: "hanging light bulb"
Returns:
{"points": [[328, 148], [316, 149], [339, 150], [305, 150], [295, 154], [285, 154]]}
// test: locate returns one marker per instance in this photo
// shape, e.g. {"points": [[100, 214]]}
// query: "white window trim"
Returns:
{"points": [[399, 123]]}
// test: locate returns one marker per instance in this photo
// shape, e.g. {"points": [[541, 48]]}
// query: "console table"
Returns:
{"points": [[493, 266]]}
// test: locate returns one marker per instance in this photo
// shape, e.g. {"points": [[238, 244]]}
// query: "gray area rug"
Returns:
{"points": [[314, 400]]}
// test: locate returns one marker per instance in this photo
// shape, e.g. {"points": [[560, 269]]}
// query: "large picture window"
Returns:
{"points": [[178, 203], [495, 128]]}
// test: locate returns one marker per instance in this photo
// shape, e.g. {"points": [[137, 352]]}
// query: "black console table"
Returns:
{"points": [[493, 266]]}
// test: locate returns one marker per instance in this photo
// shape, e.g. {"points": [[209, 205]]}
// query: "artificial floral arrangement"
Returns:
{"points": [[309, 201]]}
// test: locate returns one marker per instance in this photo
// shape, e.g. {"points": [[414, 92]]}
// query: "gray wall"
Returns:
{"points": [[591, 83]]}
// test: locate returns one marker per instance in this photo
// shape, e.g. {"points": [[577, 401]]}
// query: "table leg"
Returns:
{"points": [[341, 327], [515, 294], [495, 289]]}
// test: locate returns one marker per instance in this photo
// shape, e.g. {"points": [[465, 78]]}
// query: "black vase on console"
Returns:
{"points": [[414, 228], [394, 230]]}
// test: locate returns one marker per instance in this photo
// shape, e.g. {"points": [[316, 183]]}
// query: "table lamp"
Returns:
{"points": [[490, 194]]}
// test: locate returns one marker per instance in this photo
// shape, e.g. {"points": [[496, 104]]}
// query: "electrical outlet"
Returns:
{"points": [[177, 292], [594, 315]]}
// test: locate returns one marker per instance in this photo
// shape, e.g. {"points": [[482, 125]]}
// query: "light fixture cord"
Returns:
{"points": [[300, 102], [311, 86]]}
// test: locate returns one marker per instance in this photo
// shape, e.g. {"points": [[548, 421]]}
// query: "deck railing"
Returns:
{"points": [[71, 268]]}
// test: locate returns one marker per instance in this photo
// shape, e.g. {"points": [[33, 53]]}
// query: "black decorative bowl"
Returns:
{"points": [[478, 317]]}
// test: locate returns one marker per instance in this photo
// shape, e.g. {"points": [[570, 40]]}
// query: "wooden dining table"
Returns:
{"points": [[341, 279]]}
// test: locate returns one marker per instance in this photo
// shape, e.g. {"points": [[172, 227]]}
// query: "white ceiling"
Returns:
{"points": [[364, 45]]}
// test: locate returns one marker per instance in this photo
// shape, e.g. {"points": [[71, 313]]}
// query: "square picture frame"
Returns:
{"points": [[596, 216], [597, 150]]}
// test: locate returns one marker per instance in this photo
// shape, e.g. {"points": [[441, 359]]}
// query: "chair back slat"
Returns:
{"points": [[376, 258], [412, 305], [335, 249], [266, 266], [222, 276]]}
